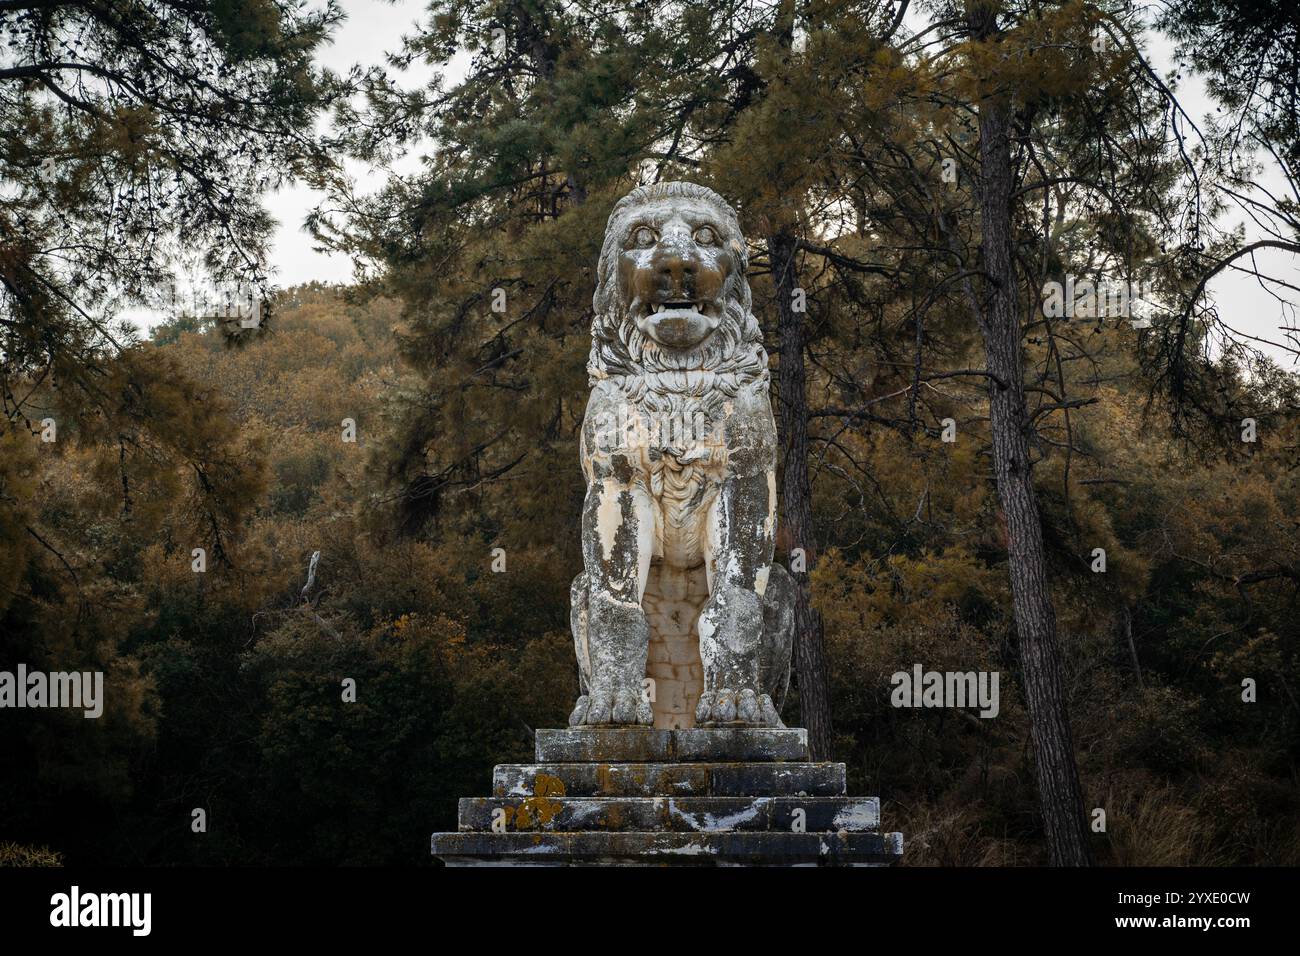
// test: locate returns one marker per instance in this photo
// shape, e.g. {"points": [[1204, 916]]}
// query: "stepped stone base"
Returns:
{"points": [[655, 797]]}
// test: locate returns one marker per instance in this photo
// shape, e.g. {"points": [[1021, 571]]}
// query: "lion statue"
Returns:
{"points": [[679, 617]]}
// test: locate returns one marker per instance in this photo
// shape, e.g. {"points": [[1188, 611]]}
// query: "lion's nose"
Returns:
{"points": [[672, 261]]}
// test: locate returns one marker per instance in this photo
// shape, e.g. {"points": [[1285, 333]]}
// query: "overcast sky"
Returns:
{"points": [[373, 27]]}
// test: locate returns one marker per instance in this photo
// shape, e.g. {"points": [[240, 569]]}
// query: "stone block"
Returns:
{"points": [[671, 814], [670, 696], [603, 780], [604, 745], [684, 673], [660, 670], [639, 848], [673, 582], [644, 744], [740, 744], [778, 779], [684, 652]]}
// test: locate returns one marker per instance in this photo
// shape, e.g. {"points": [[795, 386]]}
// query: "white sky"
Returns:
{"points": [[375, 26]]}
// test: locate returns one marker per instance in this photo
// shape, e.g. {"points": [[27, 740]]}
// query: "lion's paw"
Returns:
{"points": [[621, 706], [746, 708]]}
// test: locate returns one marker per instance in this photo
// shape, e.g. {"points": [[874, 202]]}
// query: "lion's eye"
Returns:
{"points": [[705, 236], [644, 237]]}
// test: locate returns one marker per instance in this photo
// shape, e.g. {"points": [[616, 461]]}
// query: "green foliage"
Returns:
{"points": [[224, 689]]}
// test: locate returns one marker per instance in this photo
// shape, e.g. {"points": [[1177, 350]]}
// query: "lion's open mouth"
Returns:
{"points": [[669, 306], [678, 322]]}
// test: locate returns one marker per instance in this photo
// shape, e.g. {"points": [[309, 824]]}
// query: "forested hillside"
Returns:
{"points": [[226, 686]]}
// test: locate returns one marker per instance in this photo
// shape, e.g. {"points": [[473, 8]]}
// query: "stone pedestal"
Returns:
{"points": [[652, 797]]}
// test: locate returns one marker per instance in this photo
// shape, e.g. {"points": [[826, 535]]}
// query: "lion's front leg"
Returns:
{"points": [[740, 544], [617, 543]]}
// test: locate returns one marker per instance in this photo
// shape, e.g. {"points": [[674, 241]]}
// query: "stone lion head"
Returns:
{"points": [[672, 305]]}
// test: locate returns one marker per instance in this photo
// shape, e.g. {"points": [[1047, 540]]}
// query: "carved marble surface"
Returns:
{"points": [[679, 452]]}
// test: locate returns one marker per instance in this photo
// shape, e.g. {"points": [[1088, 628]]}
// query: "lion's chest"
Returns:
{"points": [[684, 458]]}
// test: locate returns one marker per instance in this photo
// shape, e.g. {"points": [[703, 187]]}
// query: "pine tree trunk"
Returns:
{"points": [[1058, 776], [796, 499]]}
